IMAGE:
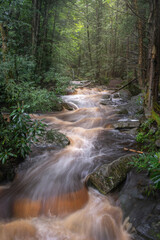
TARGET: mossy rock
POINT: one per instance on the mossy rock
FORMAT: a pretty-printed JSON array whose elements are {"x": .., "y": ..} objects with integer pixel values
[
  {"x": 53, "y": 139},
  {"x": 109, "y": 176}
]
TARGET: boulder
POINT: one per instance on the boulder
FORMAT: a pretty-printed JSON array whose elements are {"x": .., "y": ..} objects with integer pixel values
[
  {"x": 52, "y": 140},
  {"x": 109, "y": 176},
  {"x": 69, "y": 106},
  {"x": 141, "y": 204},
  {"x": 135, "y": 105},
  {"x": 125, "y": 94}
]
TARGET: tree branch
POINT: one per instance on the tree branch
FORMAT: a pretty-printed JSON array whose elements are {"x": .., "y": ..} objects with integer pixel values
[{"x": 125, "y": 85}]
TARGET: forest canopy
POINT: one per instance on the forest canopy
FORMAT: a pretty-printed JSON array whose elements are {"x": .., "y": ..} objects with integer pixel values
[{"x": 45, "y": 44}]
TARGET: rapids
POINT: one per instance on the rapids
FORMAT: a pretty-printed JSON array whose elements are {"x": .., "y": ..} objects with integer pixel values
[{"x": 50, "y": 201}]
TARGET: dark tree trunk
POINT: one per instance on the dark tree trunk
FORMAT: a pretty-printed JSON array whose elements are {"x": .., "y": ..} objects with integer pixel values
[
  {"x": 88, "y": 35},
  {"x": 4, "y": 33},
  {"x": 98, "y": 37},
  {"x": 35, "y": 25},
  {"x": 141, "y": 60},
  {"x": 154, "y": 54}
]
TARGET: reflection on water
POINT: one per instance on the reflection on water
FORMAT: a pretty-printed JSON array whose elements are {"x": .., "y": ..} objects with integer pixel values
[{"x": 53, "y": 194}]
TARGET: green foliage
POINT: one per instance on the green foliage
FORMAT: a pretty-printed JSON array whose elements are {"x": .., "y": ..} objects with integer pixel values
[
  {"x": 155, "y": 115},
  {"x": 39, "y": 100},
  {"x": 18, "y": 134},
  {"x": 148, "y": 134},
  {"x": 56, "y": 80},
  {"x": 151, "y": 163}
]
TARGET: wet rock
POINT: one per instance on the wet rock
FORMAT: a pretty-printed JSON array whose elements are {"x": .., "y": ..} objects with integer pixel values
[
  {"x": 116, "y": 95},
  {"x": 135, "y": 105},
  {"x": 109, "y": 176},
  {"x": 125, "y": 94},
  {"x": 126, "y": 123},
  {"x": 123, "y": 111},
  {"x": 105, "y": 101},
  {"x": 106, "y": 96},
  {"x": 69, "y": 106},
  {"x": 157, "y": 209},
  {"x": 138, "y": 201},
  {"x": 52, "y": 140},
  {"x": 132, "y": 131}
]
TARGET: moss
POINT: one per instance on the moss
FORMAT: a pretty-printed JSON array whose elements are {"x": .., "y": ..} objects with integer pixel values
[
  {"x": 156, "y": 117},
  {"x": 109, "y": 176}
]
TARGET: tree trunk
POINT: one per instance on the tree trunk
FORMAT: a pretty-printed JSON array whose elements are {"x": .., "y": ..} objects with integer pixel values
[
  {"x": 98, "y": 37},
  {"x": 141, "y": 65},
  {"x": 35, "y": 24},
  {"x": 88, "y": 35},
  {"x": 154, "y": 54},
  {"x": 4, "y": 33}
]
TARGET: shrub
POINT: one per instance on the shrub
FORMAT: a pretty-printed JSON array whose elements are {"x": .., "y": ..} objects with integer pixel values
[
  {"x": 148, "y": 134},
  {"x": 39, "y": 100},
  {"x": 59, "y": 81},
  {"x": 151, "y": 163},
  {"x": 18, "y": 134}
]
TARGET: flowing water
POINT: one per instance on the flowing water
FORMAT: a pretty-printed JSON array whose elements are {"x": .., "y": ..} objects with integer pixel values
[{"x": 50, "y": 201}]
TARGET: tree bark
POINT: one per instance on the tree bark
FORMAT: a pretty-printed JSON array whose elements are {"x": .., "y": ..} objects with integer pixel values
[
  {"x": 4, "y": 33},
  {"x": 88, "y": 35},
  {"x": 154, "y": 54},
  {"x": 141, "y": 65},
  {"x": 35, "y": 24},
  {"x": 98, "y": 37}
]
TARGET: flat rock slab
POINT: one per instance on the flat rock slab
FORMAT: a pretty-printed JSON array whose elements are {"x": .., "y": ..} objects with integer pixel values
[
  {"x": 109, "y": 176},
  {"x": 126, "y": 124}
]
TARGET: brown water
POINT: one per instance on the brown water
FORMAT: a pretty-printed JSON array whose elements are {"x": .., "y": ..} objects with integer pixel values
[{"x": 50, "y": 200}]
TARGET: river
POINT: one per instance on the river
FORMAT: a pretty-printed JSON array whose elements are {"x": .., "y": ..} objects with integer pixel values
[{"x": 51, "y": 201}]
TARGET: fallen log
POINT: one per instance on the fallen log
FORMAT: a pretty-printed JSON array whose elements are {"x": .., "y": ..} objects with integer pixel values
[
  {"x": 125, "y": 85},
  {"x": 132, "y": 150}
]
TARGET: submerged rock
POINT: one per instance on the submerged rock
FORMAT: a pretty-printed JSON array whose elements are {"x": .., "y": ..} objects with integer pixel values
[{"x": 109, "y": 176}]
